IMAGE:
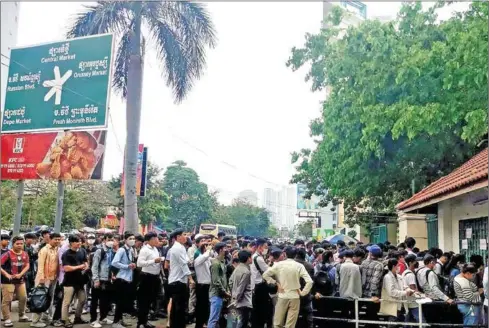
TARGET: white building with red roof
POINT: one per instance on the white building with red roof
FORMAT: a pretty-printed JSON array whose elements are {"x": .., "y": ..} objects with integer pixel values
[{"x": 452, "y": 212}]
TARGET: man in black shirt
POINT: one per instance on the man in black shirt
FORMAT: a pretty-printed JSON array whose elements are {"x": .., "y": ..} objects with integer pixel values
[
  {"x": 30, "y": 238},
  {"x": 5, "y": 240},
  {"x": 75, "y": 264}
]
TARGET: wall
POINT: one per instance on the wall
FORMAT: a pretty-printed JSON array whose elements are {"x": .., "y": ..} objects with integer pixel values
[
  {"x": 413, "y": 225},
  {"x": 451, "y": 211},
  {"x": 9, "y": 25}
]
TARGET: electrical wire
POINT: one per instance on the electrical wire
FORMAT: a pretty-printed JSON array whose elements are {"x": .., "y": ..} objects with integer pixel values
[{"x": 225, "y": 163}]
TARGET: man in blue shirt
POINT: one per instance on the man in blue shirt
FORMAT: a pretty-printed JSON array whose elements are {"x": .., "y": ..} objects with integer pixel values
[{"x": 124, "y": 261}]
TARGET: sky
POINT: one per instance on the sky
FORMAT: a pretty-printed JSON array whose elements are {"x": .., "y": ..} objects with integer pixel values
[{"x": 247, "y": 113}]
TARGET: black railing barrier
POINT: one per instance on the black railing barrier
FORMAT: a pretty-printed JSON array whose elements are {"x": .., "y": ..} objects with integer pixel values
[{"x": 341, "y": 304}]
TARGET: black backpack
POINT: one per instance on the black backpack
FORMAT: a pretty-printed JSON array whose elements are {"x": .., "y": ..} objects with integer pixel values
[
  {"x": 447, "y": 287},
  {"x": 39, "y": 301},
  {"x": 323, "y": 281}
]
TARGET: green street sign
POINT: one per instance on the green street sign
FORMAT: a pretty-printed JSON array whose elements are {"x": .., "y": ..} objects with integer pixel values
[{"x": 59, "y": 85}]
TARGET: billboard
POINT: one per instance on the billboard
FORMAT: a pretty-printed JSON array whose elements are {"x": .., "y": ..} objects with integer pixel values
[
  {"x": 53, "y": 155},
  {"x": 62, "y": 85},
  {"x": 303, "y": 203},
  {"x": 140, "y": 172}
]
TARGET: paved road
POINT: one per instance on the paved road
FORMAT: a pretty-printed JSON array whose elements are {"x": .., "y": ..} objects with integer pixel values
[{"x": 15, "y": 316}]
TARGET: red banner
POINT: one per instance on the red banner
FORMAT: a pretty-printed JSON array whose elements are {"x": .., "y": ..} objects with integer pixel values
[{"x": 53, "y": 155}]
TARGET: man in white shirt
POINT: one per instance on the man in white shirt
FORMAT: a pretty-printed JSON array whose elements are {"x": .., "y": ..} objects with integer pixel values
[
  {"x": 178, "y": 279},
  {"x": 262, "y": 303},
  {"x": 150, "y": 261},
  {"x": 409, "y": 279},
  {"x": 202, "y": 264}
]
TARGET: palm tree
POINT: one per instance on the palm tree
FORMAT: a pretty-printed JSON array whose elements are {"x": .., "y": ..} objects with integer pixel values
[{"x": 180, "y": 33}]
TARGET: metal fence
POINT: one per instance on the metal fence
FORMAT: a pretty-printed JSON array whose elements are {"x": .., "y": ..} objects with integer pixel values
[{"x": 421, "y": 322}]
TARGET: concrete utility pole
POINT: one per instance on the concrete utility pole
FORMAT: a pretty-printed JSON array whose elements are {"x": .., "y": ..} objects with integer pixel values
[
  {"x": 59, "y": 206},
  {"x": 18, "y": 207}
]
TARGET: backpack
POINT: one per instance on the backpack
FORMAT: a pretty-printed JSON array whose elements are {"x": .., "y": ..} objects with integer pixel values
[
  {"x": 420, "y": 288},
  {"x": 324, "y": 282},
  {"x": 448, "y": 288},
  {"x": 272, "y": 288},
  {"x": 39, "y": 301}
]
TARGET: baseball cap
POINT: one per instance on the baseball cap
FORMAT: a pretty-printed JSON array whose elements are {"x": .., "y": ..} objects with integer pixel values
[{"x": 375, "y": 250}]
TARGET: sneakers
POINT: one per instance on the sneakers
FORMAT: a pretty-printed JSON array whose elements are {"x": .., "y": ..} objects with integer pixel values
[
  {"x": 80, "y": 321},
  {"x": 95, "y": 324},
  {"x": 125, "y": 324},
  {"x": 24, "y": 318},
  {"x": 106, "y": 322},
  {"x": 8, "y": 323},
  {"x": 38, "y": 324}
]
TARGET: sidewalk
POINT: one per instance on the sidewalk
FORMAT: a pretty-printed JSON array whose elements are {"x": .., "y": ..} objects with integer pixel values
[{"x": 15, "y": 317}]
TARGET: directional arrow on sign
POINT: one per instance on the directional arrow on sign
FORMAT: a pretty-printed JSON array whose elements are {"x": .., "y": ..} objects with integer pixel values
[{"x": 56, "y": 85}]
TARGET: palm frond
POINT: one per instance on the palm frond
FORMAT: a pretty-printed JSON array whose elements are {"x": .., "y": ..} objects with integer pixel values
[
  {"x": 121, "y": 71},
  {"x": 181, "y": 32},
  {"x": 102, "y": 17},
  {"x": 119, "y": 81}
]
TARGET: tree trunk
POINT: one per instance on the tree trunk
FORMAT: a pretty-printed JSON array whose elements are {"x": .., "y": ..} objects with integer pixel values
[
  {"x": 133, "y": 123},
  {"x": 59, "y": 206},
  {"x": 18, "y": 207}
]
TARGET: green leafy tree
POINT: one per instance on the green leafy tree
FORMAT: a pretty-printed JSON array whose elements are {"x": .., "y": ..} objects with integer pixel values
[
  {"x": 84, "y": 202},
  {"x": 249, "y": 219},
  {"x": 154, "y": 206},
  {"x": 407, "y": 103},
  {"x": 190, "y": 201},
  {"x": 304, "y": 228},
  {"x": 272, "y": 232},
  {"x": 352, "y": 233},
  {"x": 7, "y": 203},
  {"x": 180, "y": 32}
]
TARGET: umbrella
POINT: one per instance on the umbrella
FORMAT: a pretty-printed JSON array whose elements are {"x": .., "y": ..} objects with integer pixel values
[
  {"x": 105, "y": 230},
  {"x": 339, "y": 236},
  {"x": 87, "y": 229}
]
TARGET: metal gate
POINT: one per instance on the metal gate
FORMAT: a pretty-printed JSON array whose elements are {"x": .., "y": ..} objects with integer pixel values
[
  {"x": 432, "y": 226},
  {"x": 476, "y": 229},
  {"x": 378, "y": 234}
]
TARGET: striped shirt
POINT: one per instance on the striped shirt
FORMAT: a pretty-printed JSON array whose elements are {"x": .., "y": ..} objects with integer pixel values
[{"x": 466, "y": 290}]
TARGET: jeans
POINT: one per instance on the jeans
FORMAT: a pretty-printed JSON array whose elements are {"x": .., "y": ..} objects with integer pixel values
[
  {"x": 202, "y": 305},
  {"x": 471, "y": 313},
  {"x": 216, "y": 307},
  {"x": 413, "y": 315},
  {"x": 243, "y": 317},
  {"x": 100, "y": 298}
]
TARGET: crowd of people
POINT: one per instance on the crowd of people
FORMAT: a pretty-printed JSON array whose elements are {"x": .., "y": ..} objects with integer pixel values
[{"x": 223, "y": 281}]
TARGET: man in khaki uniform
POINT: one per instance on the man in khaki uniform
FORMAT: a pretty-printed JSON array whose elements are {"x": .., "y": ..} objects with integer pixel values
[{"x": 286, "y": 274}]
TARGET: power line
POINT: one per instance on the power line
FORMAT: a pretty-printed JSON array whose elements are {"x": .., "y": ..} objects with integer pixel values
[
  {"x": 227, "y": 163},
  {"x": 173, "y": 134}
]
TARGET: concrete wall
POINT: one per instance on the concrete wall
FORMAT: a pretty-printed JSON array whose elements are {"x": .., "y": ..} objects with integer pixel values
[
  {"x": 451, "y": 211},
  {"x": 413, "y": 225}
]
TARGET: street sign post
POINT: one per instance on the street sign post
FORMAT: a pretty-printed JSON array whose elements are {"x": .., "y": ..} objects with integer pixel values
[{"x": 59, "y": 85}]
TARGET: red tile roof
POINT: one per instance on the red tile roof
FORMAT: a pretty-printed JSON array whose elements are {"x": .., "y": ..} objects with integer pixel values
[{"x": 472, "y": 171}]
